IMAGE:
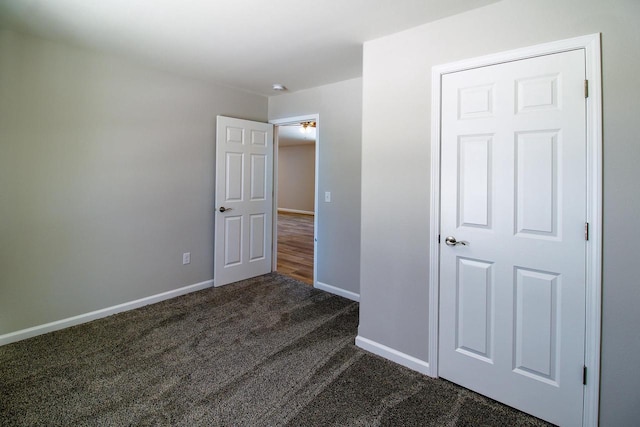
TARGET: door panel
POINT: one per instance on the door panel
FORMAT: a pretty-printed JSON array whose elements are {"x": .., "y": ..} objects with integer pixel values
[
  {"x": 536, "y": 324},
  {"x": 258, "y": 177},
  {"x": 513, "y": 188},
  {"x": 474, "y": 309},
  {"x": 258, "y": 242},
  {"x": 537, "y": 183},
  {"x": 244, "y": 180},
  {"x": 234, "y": 178},
  {"x": 232, "y": 240},
  {"x": 474, "y": 163}
]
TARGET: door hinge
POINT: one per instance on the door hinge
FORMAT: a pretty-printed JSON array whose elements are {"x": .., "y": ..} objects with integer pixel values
[
  {"x": 586, "y": 231},
  {"x": 586, "y": 88},
  {"x": 584, "y": 375},
  {"x": 438, "y": 238}
]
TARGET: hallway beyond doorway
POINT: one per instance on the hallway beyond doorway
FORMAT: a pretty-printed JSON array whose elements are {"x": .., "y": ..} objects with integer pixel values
[{"x": 295, "y": 246}]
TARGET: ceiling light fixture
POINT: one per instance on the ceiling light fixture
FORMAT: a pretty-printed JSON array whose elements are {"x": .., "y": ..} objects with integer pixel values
[
  {"x": 278, "y": 86},
  {"x": 305, "y": 126}
]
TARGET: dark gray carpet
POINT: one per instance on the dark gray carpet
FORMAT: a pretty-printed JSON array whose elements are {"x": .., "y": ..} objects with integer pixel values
[{"x": 264, "y": 352}]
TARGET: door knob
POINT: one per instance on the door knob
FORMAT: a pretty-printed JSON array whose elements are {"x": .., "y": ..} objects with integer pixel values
[
  {"x": 451, "y": 241},
  {"x": 223, "y": 209}
]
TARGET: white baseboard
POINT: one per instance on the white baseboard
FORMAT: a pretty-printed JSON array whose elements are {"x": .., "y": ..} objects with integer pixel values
[
  {"x": 297, "y": 211},
  {"x": 393, "y": 355},
  {"x": 98, "y": 314},
  {"x": 338, "y": 291}
]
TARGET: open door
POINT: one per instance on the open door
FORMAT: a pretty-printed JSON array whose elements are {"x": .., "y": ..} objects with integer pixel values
[{"x": 243, "y": 200}]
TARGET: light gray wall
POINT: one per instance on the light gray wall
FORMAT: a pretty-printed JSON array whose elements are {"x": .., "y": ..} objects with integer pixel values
[
  {"x": 106, "y": 178},
  {"x": 339, "y": 137},
  {"x": 396, "y": 171},
  {"x": 297, "y": 177}
]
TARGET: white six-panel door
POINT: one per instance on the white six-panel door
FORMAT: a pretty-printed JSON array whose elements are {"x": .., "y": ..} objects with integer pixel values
[
  {"x": 513, "y": 190},
  {"x": 243, "y": 200}
]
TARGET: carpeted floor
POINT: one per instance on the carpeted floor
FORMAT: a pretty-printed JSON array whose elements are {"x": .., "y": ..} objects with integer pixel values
[{"x": 264, "y": 352}]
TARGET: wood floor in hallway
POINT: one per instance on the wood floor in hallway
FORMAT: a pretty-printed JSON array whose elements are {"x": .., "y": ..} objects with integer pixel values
[{"x": 295, "y": 246}]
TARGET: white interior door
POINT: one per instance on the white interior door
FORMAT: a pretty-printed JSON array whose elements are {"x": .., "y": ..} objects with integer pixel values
[
  {"x": 513, "y": 195},
  {"x": 243, "y": 200}
]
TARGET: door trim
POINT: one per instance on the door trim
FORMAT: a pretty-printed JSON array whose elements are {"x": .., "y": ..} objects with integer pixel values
[
  {"x": 286, "y": 121},
  {"x": 591, "y": 46}
]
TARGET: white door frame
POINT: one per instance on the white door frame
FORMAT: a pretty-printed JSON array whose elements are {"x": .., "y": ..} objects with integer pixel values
[
  {"x": 289, "y": 121},
  {"x": 591, "y": 46}
]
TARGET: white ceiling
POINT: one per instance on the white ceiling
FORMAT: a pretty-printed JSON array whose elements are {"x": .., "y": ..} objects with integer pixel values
[
  {"x": 292, "y": 135},
  {"x": 248, "y": 44}
]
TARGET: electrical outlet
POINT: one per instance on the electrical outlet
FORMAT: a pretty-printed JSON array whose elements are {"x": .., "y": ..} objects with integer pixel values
[
  {"x": 327, "y": 196},
  {"x": 186, "y": 258}
]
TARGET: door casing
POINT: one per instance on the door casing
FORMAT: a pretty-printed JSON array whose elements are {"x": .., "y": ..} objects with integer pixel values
[
  {"x": 288, "y": 121},
  {"x": 591, "y": 46}
]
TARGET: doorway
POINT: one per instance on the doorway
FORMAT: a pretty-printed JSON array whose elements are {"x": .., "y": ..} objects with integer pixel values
[{"x": 295, "y": 197}]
